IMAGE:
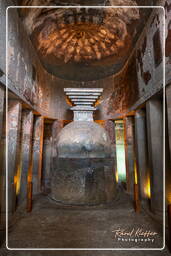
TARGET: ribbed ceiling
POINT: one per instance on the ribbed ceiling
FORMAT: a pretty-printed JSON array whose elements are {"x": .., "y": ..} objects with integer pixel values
[{"x": 82, "y": 43}]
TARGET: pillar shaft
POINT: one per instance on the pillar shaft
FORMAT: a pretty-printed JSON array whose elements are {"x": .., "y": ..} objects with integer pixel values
[
  {"x": 109, "y": 125},
  {"x": 1, "y": 109},
  {"x": 168, "y": 98},
  {"x": 47, "y": 158},
  {"x": 154, "y": 113},
  {"x": 168, "y": 146},
  {"x": 129, "y": 152},
  {"x": 56, "y": 128},
  {"x": 26, "y": 151},
  {"x": 37, "y": 153},
  {"x": 141, "y": 151},
  {"x": 2, "y": 159},
  {"x": 14, "y": 130}
]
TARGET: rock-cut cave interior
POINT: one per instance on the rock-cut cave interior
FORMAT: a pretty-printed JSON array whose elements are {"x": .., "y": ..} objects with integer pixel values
[{"x": 85, "y": 127}]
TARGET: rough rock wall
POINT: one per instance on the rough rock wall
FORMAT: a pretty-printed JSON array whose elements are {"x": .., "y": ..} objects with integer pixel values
[
  {"x": 143, "y": 77},
  {"x": 28, "y": 77},
  {"x": 125, "y": 91},
  {"x": 168, "y": 41}
]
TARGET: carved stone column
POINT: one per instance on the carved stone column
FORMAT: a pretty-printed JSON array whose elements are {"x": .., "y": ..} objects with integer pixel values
[
  {"x": 141, "y": 151},
  {"x": 47, "y": 158},
  {"x": 2, "y": 160},
  {"x": 26, "y": 151},
  {"x": 56, "y": 128},
  {"x": 37, "y": 153},
  {"x": 168, "y": 145},
  {"x": 14, "y": 130},
  {"x": 2, "y": 93},
  {"x": 154, "y": 111},
  {"x": 109, "y": 125},
  {"x": 129, "y": 152},
  {"x": 168, "y": 98}
]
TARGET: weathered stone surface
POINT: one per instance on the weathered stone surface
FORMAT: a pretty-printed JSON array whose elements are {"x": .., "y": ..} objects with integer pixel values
[
  {"x": 14, "y": 130},
  {"x": 168, "y": 41},
  {"x": 56, "y": 128},
  {"x": 45, "y": 93},
  {"x": 2, "y": 94},
  {"x": 168, "y": 98},
  {"x": 84, "y": 139},
  {"x": 2, "y": 161},
  {"x": 81, "y": 174},
  {"x": 91, "y": 39},
  {"x": 109, "y": 126},
  {"x": 47, "y": 158},
  {"x": 26, "y": 152},
  {"x": 129, "y": 153},
  {"x": 140, "y": 79},
  {"x": 83, "y": 181},
  {"x": 141, "y": 151},
  {"x": 37, "y": 153},
  {"x": 53, "y": 225},
  {"x": 154, "y": 112},
  {"x": 168, "y": 146}
]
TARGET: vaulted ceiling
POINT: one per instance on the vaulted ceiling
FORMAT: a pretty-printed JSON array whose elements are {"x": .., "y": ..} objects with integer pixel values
[{"x": 84, "y": 43}]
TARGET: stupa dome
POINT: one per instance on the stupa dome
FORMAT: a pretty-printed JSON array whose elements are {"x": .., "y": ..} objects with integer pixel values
[{"x": 82, "y": 139}]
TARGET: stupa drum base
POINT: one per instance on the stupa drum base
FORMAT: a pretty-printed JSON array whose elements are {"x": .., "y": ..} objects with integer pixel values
[{"x": 83, "y": 181}]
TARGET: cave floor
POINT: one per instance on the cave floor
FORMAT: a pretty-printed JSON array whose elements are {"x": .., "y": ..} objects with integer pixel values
[{"x": 52, "y": 225}]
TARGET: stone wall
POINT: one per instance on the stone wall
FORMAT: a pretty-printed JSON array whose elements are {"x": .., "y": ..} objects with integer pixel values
[
  {"x": 143, "y": 76},
  {"x": 123, "y": 92}
]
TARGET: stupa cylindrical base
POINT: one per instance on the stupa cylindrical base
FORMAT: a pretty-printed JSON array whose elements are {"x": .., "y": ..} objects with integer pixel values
[{"x": 83, "y": 181}]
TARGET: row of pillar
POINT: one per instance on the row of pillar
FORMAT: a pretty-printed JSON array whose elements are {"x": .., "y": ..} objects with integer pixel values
[
  {"x": 143, "y": 150},
  {"x": 25, "y": 145},
  {"x": 25, "y": 132},
  {"x": 144, "y": 153},
  {"x": 31, "y": 150}
]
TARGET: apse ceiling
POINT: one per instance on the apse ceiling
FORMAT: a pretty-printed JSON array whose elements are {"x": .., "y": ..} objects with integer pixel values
[{"x": 83, "y": 43}]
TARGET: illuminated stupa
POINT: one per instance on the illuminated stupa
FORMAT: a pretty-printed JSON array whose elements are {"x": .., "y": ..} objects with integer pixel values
[{"x": 84, "y": 172}]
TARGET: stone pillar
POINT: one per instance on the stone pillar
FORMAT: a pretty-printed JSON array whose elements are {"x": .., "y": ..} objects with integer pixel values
[
  {"x": 2, "y": 161},
  {"x": 14, "y": 130},
  {"x": 168, "y": 146},
  {"x": 56, "y": 128},
  {"x": 109, "y": 125},
  {"x": 47, "y": 158},
  {"x": 129, "y": 152},
  {"x": 2, "y": 93},
  {"x": 141, "y": 151},
  {"x": 26, "y": 151},
  {"x": 168, "y": 98},
  {"x": 37, "y": 154},
  {"x": 154, "y": 112}
]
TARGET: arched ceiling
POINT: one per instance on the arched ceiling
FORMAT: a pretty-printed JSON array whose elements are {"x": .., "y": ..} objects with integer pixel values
[{"x": 83, "y": 43}]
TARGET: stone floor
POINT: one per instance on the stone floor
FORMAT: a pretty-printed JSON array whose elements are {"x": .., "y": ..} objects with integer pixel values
[{"x": 51, "y": 225}]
